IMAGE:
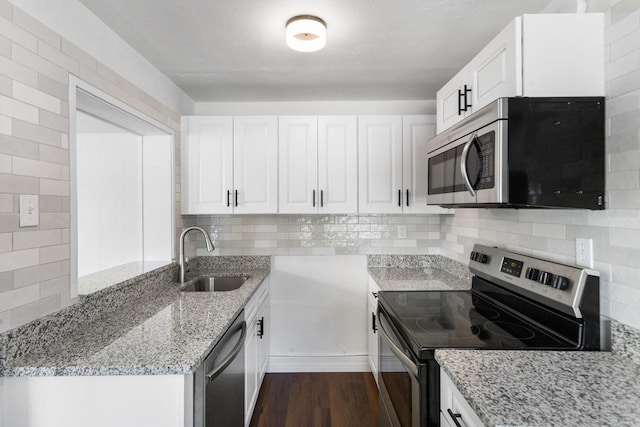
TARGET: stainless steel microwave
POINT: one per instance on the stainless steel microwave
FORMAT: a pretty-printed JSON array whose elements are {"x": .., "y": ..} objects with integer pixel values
[{"x": 522, "y": 153}]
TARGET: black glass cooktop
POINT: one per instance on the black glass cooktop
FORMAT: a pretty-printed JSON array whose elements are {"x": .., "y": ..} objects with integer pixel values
[{"x": 430, "y": 320}]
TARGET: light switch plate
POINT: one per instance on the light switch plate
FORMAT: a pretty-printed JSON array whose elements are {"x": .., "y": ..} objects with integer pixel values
[
  {"x": 29, "y": 211},
  {"x": 584, "y": 252},
  {"x": 402, "y": 232}
]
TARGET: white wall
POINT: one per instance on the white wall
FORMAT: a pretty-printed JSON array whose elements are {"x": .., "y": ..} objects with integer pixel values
[
  {"x": 323, "y": 294},
  {"x": 109, "y": 174},
  {"x": 157, "y": 200},
  {"x": 75, "y": 22}
]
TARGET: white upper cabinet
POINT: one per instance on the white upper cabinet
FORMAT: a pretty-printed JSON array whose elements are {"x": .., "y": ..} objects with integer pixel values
[
  {"x": 255, "y": 164},
  {"x": 450, "y": 101},
  {"x": 496, "y": 71},
  {"x": 535, "y": 55},
  {"x": 416, "y": 131},
  {"x": 298, "y": 150},
  {"x": 393, "y": 164},
  {"x": 380, "y": 164},
  {"x": 229, "y": 165},
  {"x": 318, "y": 164},
  {"x": 338, "y": 164},
  {"x": 207, "y": 164}
]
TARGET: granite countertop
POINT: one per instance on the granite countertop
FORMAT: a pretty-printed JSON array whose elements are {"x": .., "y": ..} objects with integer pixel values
[
  {"x": 417, "y": 279},
  {"x": 546, "y": 388},
  {"x": 418, "y": 273},
  {"x": 166, "y": 332}
]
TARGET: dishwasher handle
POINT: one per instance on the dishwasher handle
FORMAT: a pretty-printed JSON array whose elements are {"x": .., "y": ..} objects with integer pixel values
[
  {"x": 217, "y": 370},
  {"x": 406, "y": 361}
]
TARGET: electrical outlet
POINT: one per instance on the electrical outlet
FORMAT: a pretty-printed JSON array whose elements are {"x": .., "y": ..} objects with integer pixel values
[
  {"x": 402, "y": 232},
  {"x": 584, "y": 252}
]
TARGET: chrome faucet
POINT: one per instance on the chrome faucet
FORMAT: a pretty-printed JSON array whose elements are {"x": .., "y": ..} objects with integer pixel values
[{"x": 183, "y": 271}]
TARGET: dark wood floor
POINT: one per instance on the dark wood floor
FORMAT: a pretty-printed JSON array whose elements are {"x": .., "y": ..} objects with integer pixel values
[{"x": 348, "y": 399}]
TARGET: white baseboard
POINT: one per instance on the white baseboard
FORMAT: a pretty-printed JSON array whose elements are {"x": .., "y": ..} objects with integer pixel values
[{"x": 352, "y": 363}]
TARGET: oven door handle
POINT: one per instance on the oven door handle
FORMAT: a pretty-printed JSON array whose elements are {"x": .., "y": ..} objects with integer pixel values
[
  {"x": 463, "y": 164},
  {"x": 406, "y": 361}
]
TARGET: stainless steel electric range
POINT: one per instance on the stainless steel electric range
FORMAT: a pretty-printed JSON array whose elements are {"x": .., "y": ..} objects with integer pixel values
[{"x": 516, "y": 302}]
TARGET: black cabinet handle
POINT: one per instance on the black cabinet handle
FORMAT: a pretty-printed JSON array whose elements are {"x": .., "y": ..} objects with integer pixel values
[
  {"x": 399, "y": 198},
  {"x": 467, "y": 103},
  {"x": 407, "y": 197},
  {"x": 261, "y": 327},
  {"x": 375, "y": 294},
  {"x": 455, "y": 417},
  {"x": 228, "y": 198},
  {"x": 236, "y": 197},
  {"x": 321, "y": 198},
  {"x": 314, "y": 198},
  {"x": 374, "y": 327},
  {"x": 463, "y": 101}
]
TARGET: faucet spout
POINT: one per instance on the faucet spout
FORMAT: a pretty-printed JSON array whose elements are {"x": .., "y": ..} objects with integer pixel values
[{"x": 182, "y": 272}]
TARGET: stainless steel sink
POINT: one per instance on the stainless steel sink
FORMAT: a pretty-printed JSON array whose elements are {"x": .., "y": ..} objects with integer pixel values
[{"x": 216, "y": 284}]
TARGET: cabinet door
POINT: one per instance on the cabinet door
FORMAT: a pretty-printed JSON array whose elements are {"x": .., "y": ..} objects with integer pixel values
[
  {"x": 263, "y": 340},
  {"x": 416, "y": 131},
  {"x": 452, "y": 399},
  {"x": 251, "y": 370},
  {"x": 298, "y": 152},
  {"x": 450, "y": 100},
  {"x": 496, "y": 71},
  {"x": 255, "y": 164},
  {"x": 380, "y": 164},
  {"x": 337, "y": 164},
  {"x": 372, "y": 335},
  {"x": 207, "y": 164}
]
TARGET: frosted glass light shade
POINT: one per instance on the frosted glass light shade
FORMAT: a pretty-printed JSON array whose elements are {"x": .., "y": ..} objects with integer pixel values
[{"x": 306, "y": 33}]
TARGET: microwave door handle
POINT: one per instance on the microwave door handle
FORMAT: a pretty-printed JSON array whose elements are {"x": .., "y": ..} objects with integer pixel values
[{"x": 463, "y": 165}]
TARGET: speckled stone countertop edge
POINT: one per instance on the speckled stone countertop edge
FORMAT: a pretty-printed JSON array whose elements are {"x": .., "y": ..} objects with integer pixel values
[
  {"x": 18, "y": 342},
  {"x": 418, "y": 273},
  {"x": 189, "y": 365},
  {"x": 620, "y": 366},
  {"x": 439, "y": 262}
]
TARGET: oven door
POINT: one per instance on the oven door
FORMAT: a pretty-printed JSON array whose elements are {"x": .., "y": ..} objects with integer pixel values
[{"x": 409, "y": 388}]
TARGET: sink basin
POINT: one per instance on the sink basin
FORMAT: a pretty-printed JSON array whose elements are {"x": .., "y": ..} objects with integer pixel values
[{"x": 216, "y": 284}]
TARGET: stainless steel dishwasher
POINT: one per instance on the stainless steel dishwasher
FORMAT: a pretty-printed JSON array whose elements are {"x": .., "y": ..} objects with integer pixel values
[{"x": 219, "y": 381}]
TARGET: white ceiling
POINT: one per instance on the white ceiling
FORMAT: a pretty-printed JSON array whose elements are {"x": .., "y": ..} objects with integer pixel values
[{"x": 234, "y": 50}]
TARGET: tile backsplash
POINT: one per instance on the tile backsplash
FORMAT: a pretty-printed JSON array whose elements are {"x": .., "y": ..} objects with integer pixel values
[{"x": 319, "y": 234}]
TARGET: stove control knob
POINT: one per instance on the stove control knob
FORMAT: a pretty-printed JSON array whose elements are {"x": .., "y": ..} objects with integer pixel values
[
  {"x": 560, "y": 282},
  {"x": 532, "y": 273},
  {"x": 545, "y": 278},
  {"x": 479, "y": 257}
]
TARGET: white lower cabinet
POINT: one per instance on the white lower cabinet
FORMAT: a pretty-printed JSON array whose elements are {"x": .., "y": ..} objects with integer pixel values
[
  {"x": 455, "y": 411},
  {"x": 372, "y": 331},
  {"x": 256, "y": 347},
  {"x": 97, "y": 401}
]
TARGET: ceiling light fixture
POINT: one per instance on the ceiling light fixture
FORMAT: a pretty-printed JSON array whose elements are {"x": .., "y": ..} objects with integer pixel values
[{"x": 306, "y": 33}]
